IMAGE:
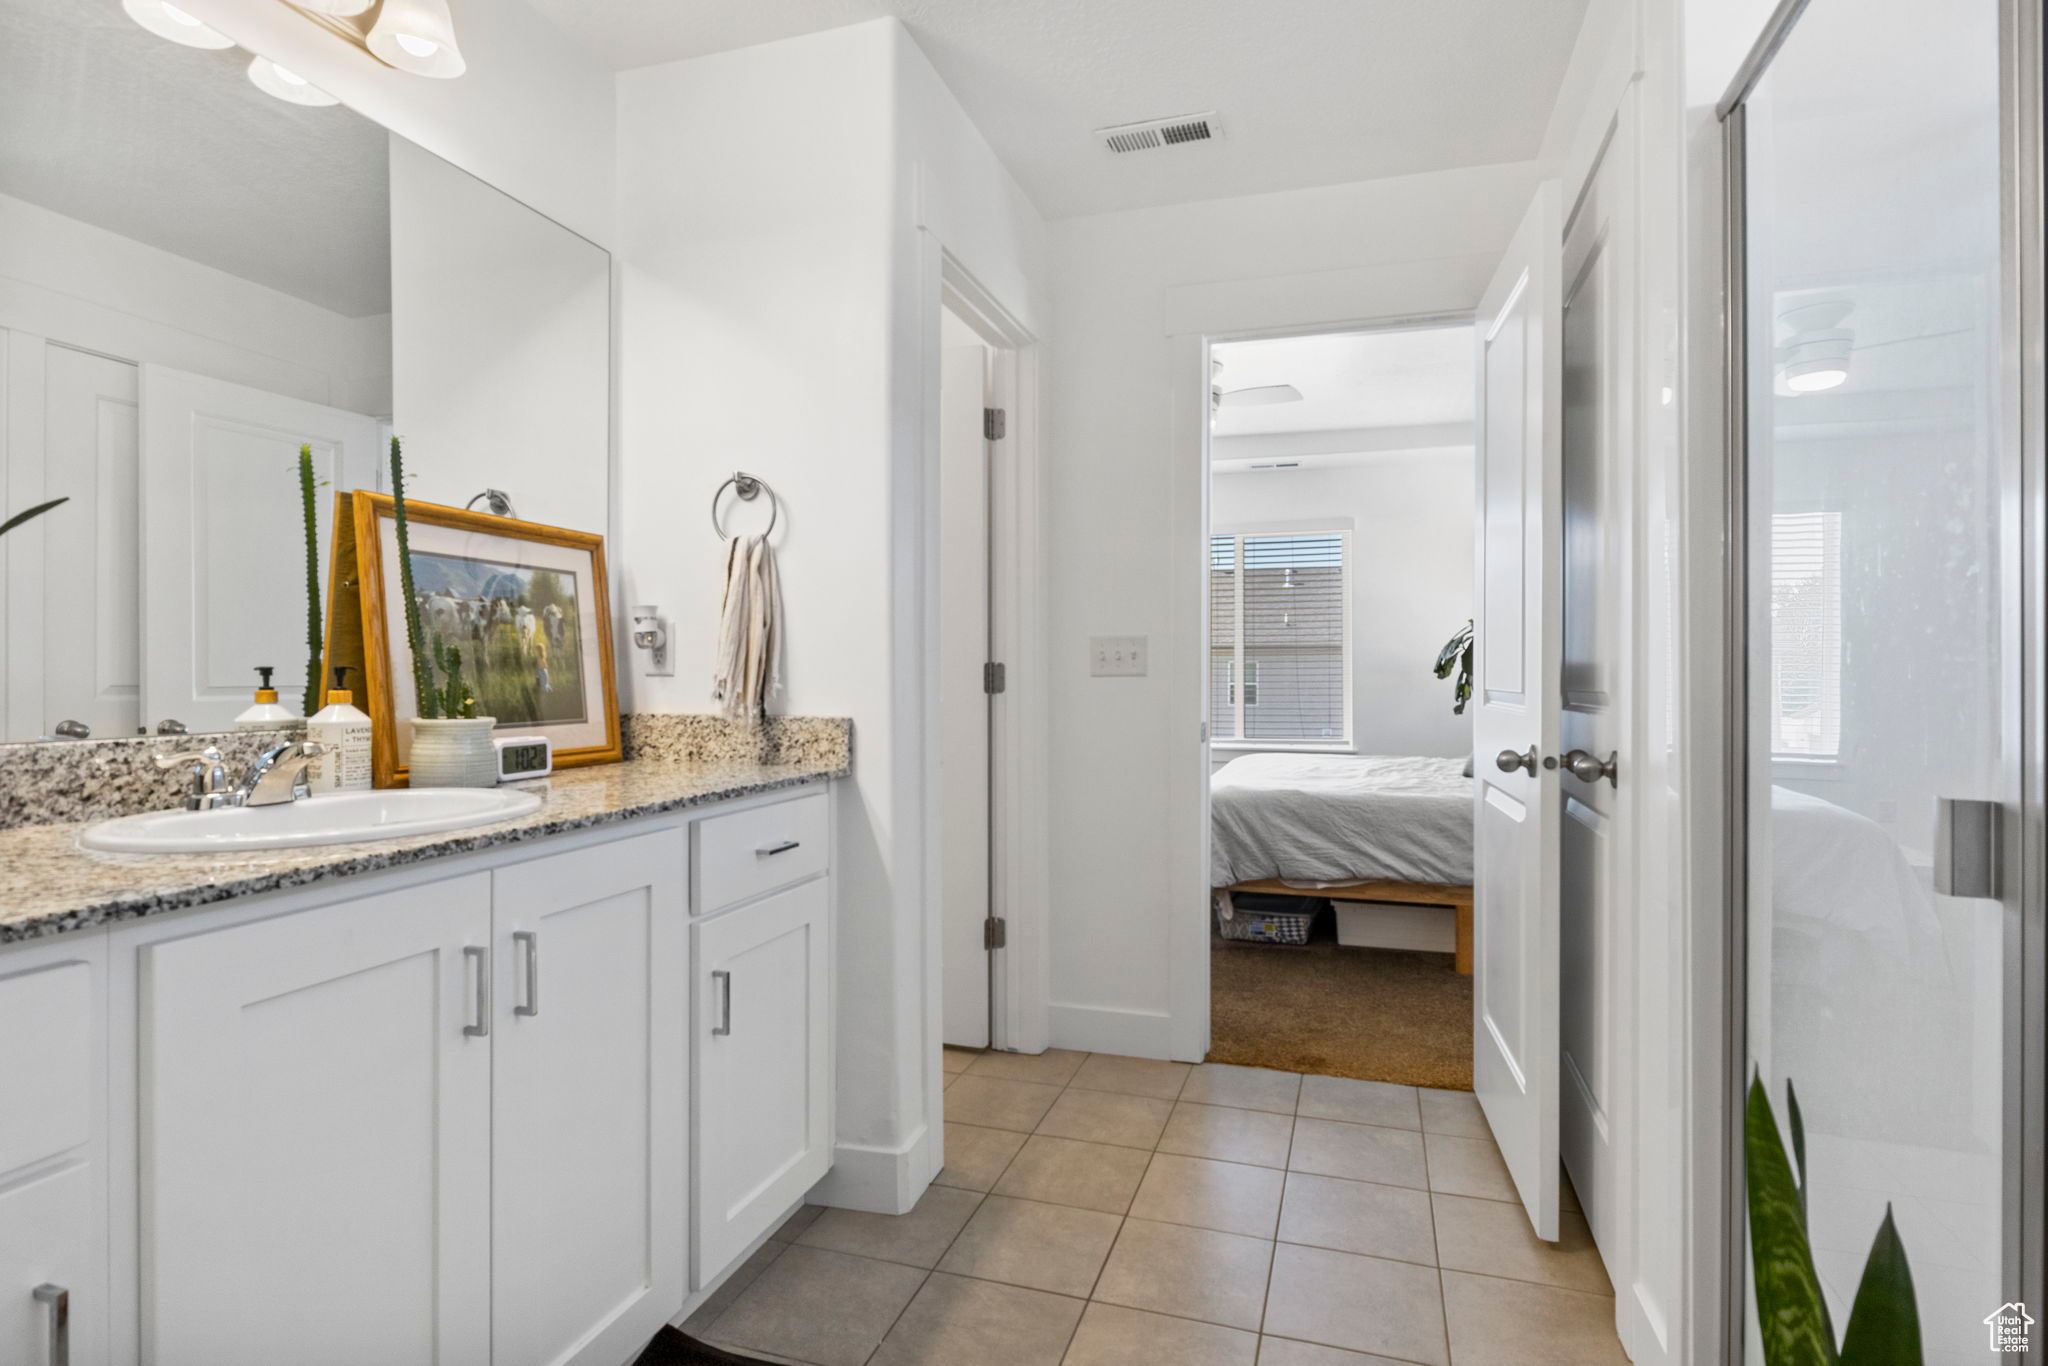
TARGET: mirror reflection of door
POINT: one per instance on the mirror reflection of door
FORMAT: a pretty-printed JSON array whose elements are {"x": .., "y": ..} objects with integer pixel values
[{"x": 288, "y": 269}]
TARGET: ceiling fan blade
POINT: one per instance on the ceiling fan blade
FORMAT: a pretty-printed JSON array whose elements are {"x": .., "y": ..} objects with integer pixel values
[{"x": 1261, "y": 394}]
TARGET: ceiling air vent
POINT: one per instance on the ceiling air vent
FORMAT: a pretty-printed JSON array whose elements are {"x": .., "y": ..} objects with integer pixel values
[{"x": 1141, "y": 137}]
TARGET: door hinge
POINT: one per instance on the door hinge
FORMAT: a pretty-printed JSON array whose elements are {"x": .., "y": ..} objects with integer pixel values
[
  {"x": 995, "y": 933},
  {"x": 995, "y": 423},
  {"x": 994, "y": 678}
]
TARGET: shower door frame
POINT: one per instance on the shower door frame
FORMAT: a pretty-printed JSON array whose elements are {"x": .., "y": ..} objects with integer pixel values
[{"x": 2023, "y": 423}]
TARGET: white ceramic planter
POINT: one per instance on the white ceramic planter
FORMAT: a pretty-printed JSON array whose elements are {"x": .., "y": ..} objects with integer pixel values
[{"x": 453, "y": 753}]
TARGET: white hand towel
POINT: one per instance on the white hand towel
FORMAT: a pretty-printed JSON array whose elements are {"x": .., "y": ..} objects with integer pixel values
[{"x": 749, "y": 670}]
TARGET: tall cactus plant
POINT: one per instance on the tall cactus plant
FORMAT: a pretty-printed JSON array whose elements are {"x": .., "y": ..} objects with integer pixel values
[{"x": 314, "y": 642}]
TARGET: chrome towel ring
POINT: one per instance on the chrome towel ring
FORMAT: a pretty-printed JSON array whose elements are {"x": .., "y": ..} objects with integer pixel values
[{"x": 748, "y": 488}]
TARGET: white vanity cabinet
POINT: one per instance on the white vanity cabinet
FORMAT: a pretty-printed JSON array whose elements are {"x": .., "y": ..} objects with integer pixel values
[
  {"x": 510, "y": 1115},
  {"x": 589, "y": 1089},
  {"x": 315, "y": 1107},
  {"x": 53, "y": 1175},
  {"x": 763, "y": 1100}
]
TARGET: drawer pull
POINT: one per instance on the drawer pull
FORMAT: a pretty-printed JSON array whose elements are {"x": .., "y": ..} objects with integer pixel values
[
  {"x": 531, "y": 939},
  {"x": 724, "y": 981},
  {"x": 58, "y": 1301},
  {"x": 772, "y": 850},
  {"x": 481, "y": 1029}
]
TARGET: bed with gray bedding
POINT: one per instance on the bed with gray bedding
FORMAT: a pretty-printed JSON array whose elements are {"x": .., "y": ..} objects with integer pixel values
[{"x": 1314, "y": 819}]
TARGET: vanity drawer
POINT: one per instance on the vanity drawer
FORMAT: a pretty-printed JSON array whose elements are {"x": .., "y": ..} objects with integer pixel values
[
  {"x": 746, "y": 853},
  {"x": 47, "y": 1072}
]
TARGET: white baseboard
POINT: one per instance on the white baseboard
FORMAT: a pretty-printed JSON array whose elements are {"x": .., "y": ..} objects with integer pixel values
[
  {"x": 1103, "y": 1029},
  {"x": 878, "y": 1180}
]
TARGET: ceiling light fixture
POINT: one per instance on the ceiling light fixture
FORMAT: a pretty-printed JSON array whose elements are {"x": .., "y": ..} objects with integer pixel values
[
  {"x": 287, "y": 85},
  {"x": 1814, "y": 353},
  {"x": 166, "y": 20},
  {"x": 417, "y": 36}
]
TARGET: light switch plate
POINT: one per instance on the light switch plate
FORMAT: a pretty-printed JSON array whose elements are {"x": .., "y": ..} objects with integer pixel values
[{"x": 1117, "y": 656}]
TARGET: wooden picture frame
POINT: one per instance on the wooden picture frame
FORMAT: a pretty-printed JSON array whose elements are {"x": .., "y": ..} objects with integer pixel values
[{"x": 477, "y": 576}]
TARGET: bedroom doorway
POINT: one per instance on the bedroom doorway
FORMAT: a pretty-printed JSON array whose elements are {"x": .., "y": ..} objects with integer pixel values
[{"x": 1341, "y": 524}]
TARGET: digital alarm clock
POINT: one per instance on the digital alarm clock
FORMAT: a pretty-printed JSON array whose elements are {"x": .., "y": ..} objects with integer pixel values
[{"x": 524, "y": 756}]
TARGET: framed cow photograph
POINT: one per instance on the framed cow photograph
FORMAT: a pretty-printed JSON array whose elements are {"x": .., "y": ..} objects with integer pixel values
[{"x": 523, "y": 606}]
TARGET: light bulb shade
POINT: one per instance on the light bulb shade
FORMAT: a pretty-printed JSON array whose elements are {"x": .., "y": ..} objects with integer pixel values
[
  {"x": 1816, "y": 360},
  {"x": 286, "y": 84},
  {"x": 168, "y": 21},
  {"x": 417, "y": 36},
  {"x": 340, "y": 9}
]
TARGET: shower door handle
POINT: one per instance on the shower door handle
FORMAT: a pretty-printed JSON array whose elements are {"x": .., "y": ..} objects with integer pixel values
[{"x": 1966, "y": 847}]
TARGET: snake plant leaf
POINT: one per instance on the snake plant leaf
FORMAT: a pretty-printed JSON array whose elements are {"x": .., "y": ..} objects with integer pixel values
[
  {"x": 1792, "y": 1315},
  {"x": 28, "y": 514},
  {"x": 1884, "y": 1324}
]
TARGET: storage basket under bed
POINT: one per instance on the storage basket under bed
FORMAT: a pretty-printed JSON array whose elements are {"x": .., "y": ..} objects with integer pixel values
[{"x": 1265, "y": 918}]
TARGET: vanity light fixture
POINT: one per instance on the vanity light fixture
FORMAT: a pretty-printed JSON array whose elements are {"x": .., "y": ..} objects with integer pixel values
[
  {"x": 417, "y": 36},
  {"x": 166, "y": 20},
  {"x": 286, "y": 84}
]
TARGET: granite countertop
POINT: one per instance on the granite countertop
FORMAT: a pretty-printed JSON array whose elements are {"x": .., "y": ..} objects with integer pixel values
[{"x": 49, "y": 885}]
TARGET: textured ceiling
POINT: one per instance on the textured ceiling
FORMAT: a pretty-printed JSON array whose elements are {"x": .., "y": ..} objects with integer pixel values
[
  {"x": 1309, "y": 92},
  {"x": 1351, "y": 381},
  {"x": 172, "y": 146}
]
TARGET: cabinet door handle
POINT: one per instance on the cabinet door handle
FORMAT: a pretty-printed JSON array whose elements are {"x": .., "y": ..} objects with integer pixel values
[
  {"x": 723, "y": 980},
  {"x": 770, "y": 851},
  {"x": 531, "y": 939},
  {"x": 58, "y": 1301},
  {"x": 481, "y": 957}
]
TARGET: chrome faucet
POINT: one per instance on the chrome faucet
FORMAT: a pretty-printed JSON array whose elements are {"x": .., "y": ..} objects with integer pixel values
[{"x": 278, "y": 776}]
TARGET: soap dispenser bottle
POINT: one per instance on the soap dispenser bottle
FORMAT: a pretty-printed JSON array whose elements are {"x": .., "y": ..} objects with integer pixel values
[
  {"x": 343, "y": 765},
  {"x": 266, "y": 713}
]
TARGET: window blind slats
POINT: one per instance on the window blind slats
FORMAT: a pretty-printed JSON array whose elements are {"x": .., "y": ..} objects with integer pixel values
[
  {"x": 1279, "y": 637},
  {"x": 1806, "y": 634}
]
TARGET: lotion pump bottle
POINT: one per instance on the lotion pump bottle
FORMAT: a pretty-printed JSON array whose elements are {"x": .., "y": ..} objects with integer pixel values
[
  {"x": 344, "y": 763},
  {"x": 266, "y": 713}
]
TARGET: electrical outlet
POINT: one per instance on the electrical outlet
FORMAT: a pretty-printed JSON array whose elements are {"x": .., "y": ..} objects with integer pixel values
[{"x": 1116, "y": 656}]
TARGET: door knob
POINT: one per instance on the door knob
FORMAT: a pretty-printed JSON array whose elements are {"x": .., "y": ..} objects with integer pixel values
[
  {"x": 1588, "y": 769},
  {"x": 1508, "y": 761}
]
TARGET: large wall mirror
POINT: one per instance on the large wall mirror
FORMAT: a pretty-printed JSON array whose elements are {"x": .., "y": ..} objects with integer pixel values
[{"x": 198, "y": 277}]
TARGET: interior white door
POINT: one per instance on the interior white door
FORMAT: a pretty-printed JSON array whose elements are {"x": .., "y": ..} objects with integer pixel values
[
  {"x": 963, "y": 701},
  {"x": 1517, "y": 617},
  {"x": 223, "y": 540},
  {"x": 761, "y": 1127},
  {"x": 589, "y": 1082},
  {"x": 316, "y": 1143},
  {"x": 1594, "y": 847},
  {"x": 91, "y": 585}
]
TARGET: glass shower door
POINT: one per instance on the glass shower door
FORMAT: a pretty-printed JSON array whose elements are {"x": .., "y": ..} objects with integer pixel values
[{"x": 1882, "y": 625}]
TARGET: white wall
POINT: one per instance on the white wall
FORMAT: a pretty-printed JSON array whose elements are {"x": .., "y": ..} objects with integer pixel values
[
  {"x": 1411, "y": 581},
  {"x": 533, "y": 115},
  {"x": 82, "y": 285},
  {"x": 501, "y": 347},
  {"x": 772, "y": 321},
  {"x": 1125, "y": 527}
]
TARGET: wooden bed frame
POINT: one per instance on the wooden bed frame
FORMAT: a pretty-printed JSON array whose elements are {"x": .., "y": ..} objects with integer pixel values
[{"x": 1457, "y": 899}]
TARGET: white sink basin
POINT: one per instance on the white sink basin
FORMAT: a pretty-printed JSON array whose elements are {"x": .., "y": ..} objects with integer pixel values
[{"x": 334, "y": 818}]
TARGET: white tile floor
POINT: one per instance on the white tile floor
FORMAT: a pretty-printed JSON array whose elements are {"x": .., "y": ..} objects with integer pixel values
[{"x": 1105, "y": 1211}]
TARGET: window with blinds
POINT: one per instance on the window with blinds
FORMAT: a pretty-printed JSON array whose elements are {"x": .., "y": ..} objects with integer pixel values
[
  {"x": 1279, "y": 637},
  {"x": 1806, "y": 635}
]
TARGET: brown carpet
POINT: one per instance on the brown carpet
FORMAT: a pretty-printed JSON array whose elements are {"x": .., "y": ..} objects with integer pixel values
[{"x": 1375, "y": 1014}]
